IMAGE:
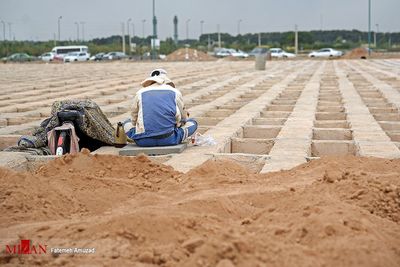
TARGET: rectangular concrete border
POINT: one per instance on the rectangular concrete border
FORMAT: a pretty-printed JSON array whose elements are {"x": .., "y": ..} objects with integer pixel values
[{"x": 369, "y": 138}]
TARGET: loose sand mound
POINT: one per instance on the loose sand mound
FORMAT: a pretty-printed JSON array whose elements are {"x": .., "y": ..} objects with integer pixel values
[
  {"x": 330, "y": 212},
  {"x": 189, "y": 54},
  {"x": 77, "y": 185},
  {"x": 357, "y": 53}
]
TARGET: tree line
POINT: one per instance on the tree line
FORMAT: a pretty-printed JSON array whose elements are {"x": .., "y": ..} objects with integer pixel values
[{"x": 308, "y": 40}]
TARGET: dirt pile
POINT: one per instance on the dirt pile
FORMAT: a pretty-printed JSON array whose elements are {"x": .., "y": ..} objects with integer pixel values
[
  {"x": 77, "y": 185},
  {"x": 330, "y": 212},
  {"x": 189, "y": 54},
  {"x": 357, "y": 53}
]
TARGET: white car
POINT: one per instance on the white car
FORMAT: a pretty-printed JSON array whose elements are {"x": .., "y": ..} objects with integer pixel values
[
  {"x": 47, "y": 57},
  {"x": 326, "y": 52},
  {"x": 226, "y": 52},
  {"x": 238, "y": 53},
  {"x": 223, "y": 52},
  {"x": 279, "y": 53},
  {"x": 114, "y": 56},
  {"x": 76, "y": 56}
]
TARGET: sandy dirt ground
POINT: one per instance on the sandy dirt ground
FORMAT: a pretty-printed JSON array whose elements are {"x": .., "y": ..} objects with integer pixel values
[
  {"x": 335, "y": 211},
  {"x": 333, "y": 126}
]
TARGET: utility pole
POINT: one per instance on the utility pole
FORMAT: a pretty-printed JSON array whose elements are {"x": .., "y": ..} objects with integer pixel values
[
  {"x": 369, "y": 27},
  {"x": 176, "y": 29},
  {"x": 77, "y": 31},
  {"x": 143, "y": 21},
  {"x": 129, "y": 35},
  {"x": 83, "y": 30},
  {"x": 4, "y": 30},
  {"x": 296, "y": 40},
  {"x": 59, "y": 35},
  {"x": 259, "y": 39},
  {"x": 153, "y": 48},
  {"x": 238, "y": 26},
  {"x": 187, "y": 29},
  {"x": 219, "y": 36},
  {"x": 133, "y": 30},
  {"x": 123, "y": 36},
  {"x": 9, "y": 31},
  {"x": 201, "y": 27},
  {"x": 376, "y": 35}
]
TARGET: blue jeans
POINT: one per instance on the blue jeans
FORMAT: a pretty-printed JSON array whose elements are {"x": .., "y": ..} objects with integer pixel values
[{"x": 178, "y": 136}]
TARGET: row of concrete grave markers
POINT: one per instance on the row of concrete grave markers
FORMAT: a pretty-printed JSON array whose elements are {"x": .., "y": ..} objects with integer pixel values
[
  {"x": 369, "y": 137},
  {"x": 228, "y": 128},
  {"x": 381, "y": 100},
  {"x": 114, "y": 100},
  {"x": 293, "y": 143}
]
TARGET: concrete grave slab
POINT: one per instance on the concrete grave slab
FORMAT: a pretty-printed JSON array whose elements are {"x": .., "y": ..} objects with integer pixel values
[{"x": 133, "y": 150}]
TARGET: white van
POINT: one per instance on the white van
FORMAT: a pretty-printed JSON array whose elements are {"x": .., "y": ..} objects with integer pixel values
[{"x": 60, "y": 51}]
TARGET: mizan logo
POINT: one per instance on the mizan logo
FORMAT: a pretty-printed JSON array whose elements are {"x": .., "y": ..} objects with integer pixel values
[{"x": 25, "y": 247}]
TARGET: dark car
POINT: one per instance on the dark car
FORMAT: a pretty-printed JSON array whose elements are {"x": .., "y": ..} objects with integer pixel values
[
  {"x": 18, "y": 57},
  {"x": 258, "y": 51},
  {"x": 98, "y": 57},
  {"x": 114, "y": 56}
]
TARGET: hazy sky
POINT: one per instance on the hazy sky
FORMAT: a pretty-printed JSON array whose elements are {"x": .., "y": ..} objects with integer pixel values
[{"x": 37, "y": 19}]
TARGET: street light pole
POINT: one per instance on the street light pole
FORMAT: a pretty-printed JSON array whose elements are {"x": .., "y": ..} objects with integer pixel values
[
  {"x": 77, "y": 31},
  {"x": 219, "y": 36},
  {"x": 59, "y": 36},
  {"x": 143, "y": 21},
  {"x": 201, "y": 27},
  {"x": 296, "y": 40},
  {"x": 83, "y": 30},
  {"x": 376, "y": 35},
  {"x": 238, "y": 26},
  {"x": 187, "y": 29},
  {"x": 123, "y": 36},
  {"x": 369, "y": 27},
  {"x": 9, "y": 31},
  {"x": 129, "y": 34},
  {"x": 4, "y": 30},
  {"x": 154, "y": 52}
]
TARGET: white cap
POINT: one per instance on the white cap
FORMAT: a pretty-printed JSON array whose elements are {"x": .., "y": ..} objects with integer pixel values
[{"x": 158, "y": 76}]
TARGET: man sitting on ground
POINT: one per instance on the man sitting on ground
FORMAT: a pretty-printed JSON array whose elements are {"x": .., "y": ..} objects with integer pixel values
[{"x": 159, "y": 117}]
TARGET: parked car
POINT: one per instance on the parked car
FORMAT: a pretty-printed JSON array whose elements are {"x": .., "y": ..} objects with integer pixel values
[
  {"x": 238, "y": 53},
  {"x": 114, "y": 56},
  {"x": 279, "y": 53},
  {"x": 76, "y": 56},
  {"x": 226, "y": 52},
  {"x": 258, "y": 51},
  {"x": 18, "y": 57},
  {"x": 97, "y": 57},
  {"x": 47, "y": 57},
  {"x": 223, "y": 52},
  {"x": 326, "y": 52}
]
